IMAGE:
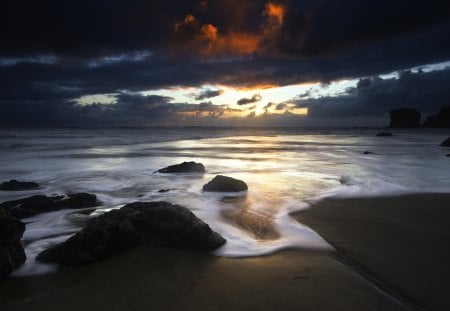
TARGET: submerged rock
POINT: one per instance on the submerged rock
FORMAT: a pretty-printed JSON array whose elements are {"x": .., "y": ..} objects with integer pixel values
[
  {"x": 225, "y": 184},
  {"x": 405, "y": 118},
  {"x": 38, "y": 204},
  {"x": 446, "y": 143},
  {"x": 185, "y": 167},
  {"x": 12, "y": 254},
  {"x": 148, "y": 223},
  {"x": 14, "y": 185},
  {"x": 384, "y": 134},
  {"x": 367, "y": 152}
]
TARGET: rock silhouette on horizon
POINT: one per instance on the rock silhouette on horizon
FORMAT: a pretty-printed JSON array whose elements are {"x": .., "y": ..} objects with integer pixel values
[
  {"x": 442, "y": 119},
  {"x": 222, "y": 183},
  {"x": 446, "y": 143},
  {"x": 405, "y": 118},
  {"x": 144, "y": 223},
  {"x": 185, "y": 167}
]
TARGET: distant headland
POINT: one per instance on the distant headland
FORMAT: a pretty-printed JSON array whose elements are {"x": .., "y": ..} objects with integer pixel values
[{"x": 411, "y": 118}]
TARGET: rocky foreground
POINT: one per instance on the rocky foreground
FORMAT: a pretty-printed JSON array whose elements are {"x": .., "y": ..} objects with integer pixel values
[
  {"x": 12, "y": 254},
  {"x": 139, "y": 223},
  {"x": 144, "y": 223},
  {"x": 38, "y": 204}
]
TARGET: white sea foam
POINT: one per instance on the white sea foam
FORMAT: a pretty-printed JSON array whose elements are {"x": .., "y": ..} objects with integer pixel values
[{"x": 284, "y": 169}]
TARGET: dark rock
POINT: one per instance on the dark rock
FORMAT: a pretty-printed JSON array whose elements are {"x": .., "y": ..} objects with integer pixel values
[
  {"x": 12, "y": 254},
  {"x": 147, "y": 223},
  {"x": 225, "y": 184},
  {"x": 384, "y": 134},
  {"x": 78, "y": 200},
  {"x": 163, "y": 190},
  {"x": 446, "y": 143},
  {"x": 405, "y": 118},
  {"x": 442, "y": 119},
  {"x": 185, "y": 167},
  {"x": 14, "y": 185},
  {"x": 38, "y": 204},
  {"x": 448, "y": 155},
  {"x": 367, "y": 152}
]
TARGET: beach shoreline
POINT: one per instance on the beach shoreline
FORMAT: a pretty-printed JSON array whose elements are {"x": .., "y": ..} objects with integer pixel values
[
  {"x": 400, "y": 243},
  {"x": 368, "y": 270}
]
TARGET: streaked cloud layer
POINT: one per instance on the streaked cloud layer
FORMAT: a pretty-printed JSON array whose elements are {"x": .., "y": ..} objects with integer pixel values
[{"x": 175, "y": 62}]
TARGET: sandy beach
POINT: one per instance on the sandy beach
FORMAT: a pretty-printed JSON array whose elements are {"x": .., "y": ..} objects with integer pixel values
[
  {"x": 392, "y": 254},
  {"x": 401, "y": 243},
  {"x": 167, "y": 279}
]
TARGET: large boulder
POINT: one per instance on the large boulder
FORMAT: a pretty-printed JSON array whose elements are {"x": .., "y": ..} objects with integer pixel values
[
  {"x": 185, "y": 167},
  {"x": 14, "y": 185},
  {"x": 405, "y": 118},
  {"x": 225, "y": 184},
  {"x": 148, "y": 223},
  {"x": 12, "y": 254},
  {"x": 446, "y": 143},
  {"x": 38, "y": 204},
  {"x": 442, "y": 119}
]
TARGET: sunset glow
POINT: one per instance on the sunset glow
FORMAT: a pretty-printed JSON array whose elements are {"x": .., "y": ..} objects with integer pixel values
[
  {"x": 275, "y": 11},
  {"x": 224, "y": 155}
]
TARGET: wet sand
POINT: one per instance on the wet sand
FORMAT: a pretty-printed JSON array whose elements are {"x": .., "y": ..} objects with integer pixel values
[
  {"x": 392, "y": 254},
  {"x": 402, "y": 243},
  {"x": 168, "y": 279}
]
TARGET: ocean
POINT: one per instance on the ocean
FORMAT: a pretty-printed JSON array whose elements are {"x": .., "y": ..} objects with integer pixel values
[{"x": 285, "y": 168}]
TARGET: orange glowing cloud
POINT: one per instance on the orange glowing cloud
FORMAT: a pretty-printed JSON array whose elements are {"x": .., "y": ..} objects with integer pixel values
[
  {"x": 207, "y": 39},
  {"x": 274, "y": 11}
]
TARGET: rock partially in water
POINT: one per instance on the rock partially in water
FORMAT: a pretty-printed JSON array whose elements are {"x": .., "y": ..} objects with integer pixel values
[
  {"x": 405, "y": 118},
  {"x": 12, "y": 254},
  {"x": 222, "y": 183},
  {"x": 185, "y": 167},
  {"x": 38, "y": 204},
  {"x": 14, "y": 185},
  {"x": 446, "y": 143},
  {"x": 384, "y": 134},
  {"x": 368, "y": 152},
  {"x": 148, "y": 223}
]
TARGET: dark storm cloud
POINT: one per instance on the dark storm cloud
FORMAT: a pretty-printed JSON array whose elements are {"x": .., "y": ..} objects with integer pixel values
[
  {"x": 268, "y": 105},
  {"x": 208, "y": 94},
  {"x": 281, "y": 106},
  {"x": 89, "y": 27},
  {"x": 54, "y": 52},
  {"x": 70, "y": 79},
  {"x": 127, "y": 110},
  {"x": 375, "y": 97},
  {"x": 305, "y": 28},
  {"x": 245, "y": 101},
  {"x": 318, "y": 27}
]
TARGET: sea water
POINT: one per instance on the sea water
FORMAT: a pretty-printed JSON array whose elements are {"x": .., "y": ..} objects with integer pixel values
[{"x": 285, "y": 169}]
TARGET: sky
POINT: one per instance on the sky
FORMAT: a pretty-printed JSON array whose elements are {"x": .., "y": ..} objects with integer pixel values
[{"x": 298, "y": 63}]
